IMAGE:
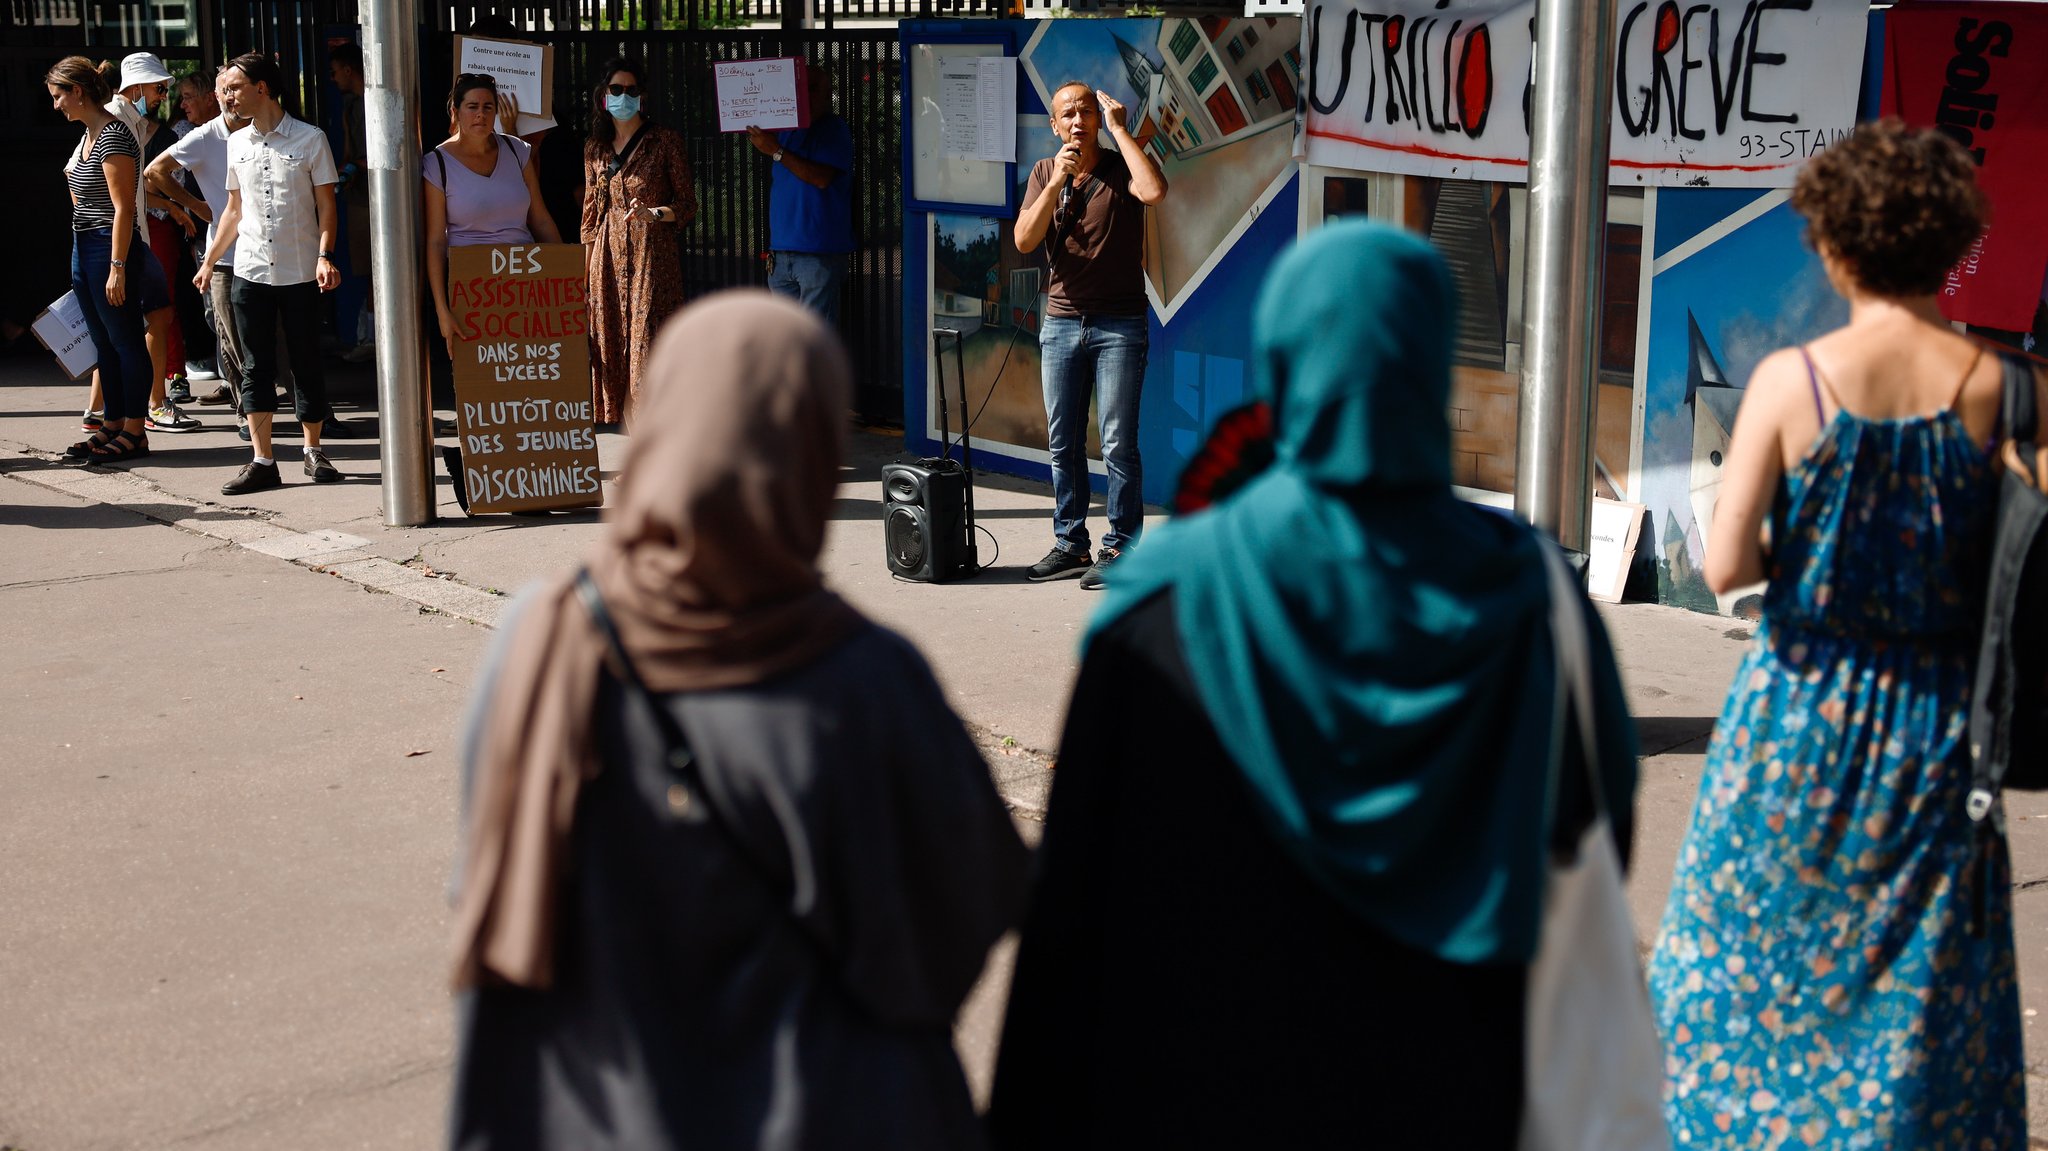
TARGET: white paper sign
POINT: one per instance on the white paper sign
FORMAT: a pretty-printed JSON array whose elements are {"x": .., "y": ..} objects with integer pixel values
[
  {"x": 1611, "y": 547},
  {"x": 1723, "y": 93},
  {"x": 517, "y": 67},
  {"x": 62, "y": 329},
  {"x": 978, "y": 108},
  {"x": 766, "y": 94}
]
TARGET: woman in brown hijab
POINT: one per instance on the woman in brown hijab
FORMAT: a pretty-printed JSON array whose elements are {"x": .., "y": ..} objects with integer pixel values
[{"x": 765, "y": 946}]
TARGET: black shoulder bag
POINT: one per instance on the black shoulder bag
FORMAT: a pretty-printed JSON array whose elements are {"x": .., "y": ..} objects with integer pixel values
[{"x": 2009, "y": 712}]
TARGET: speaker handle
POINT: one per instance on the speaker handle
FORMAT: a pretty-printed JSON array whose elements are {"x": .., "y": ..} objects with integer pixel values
[{"x": 966, "y": 439}]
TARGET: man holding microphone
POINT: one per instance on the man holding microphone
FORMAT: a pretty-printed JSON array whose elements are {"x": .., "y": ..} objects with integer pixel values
[{"x": 1085, "y": 208}]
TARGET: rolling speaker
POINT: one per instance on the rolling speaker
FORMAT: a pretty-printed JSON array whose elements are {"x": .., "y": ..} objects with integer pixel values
[{"x": 925, "y": 520}]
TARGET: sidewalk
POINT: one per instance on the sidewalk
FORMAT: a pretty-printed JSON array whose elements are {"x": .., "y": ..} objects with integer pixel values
[{"x": 1003, "y": 648}]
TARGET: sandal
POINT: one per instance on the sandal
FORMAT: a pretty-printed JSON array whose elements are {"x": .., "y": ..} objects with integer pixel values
[
  {"x": 126, "y": 446},
  {"x": 84, "y": 449}
]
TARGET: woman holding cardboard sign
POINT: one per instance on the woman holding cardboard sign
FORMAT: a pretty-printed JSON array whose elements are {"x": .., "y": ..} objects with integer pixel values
[
  {"x": 638, "y": 173},
  {"x": 480, "y": 189}
]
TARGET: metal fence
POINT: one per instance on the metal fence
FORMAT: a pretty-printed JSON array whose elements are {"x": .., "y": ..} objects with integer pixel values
[
  {"x": 727, "y": 244},
  {"x": 678, "y": 40}
]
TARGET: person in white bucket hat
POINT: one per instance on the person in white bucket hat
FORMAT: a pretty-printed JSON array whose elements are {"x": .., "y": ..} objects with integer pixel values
[{"x": 145, "y": 85}]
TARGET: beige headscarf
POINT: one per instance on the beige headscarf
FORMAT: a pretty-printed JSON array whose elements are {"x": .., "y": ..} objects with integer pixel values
[{"x": 709, "y": 567}]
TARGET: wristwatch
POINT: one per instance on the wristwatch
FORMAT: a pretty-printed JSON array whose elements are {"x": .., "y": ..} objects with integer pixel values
[
  {"x": 776, "y": 158},
  {"x": 117, "y": 263},
  {"x": 327, "y": 256}
]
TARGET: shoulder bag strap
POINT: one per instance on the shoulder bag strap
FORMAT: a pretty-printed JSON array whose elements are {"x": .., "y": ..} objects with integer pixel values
[
  {"x": 443, "y": 162},
  {"x": 1574, "y": 664},
  {"x": 684, "y": 763},
  {"x": 2019, "y": 416}
]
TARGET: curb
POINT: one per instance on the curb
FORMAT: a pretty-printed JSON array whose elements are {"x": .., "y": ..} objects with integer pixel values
[
  {"x": 331, "y": 552},
  {"x": 1023, "y": 776}
]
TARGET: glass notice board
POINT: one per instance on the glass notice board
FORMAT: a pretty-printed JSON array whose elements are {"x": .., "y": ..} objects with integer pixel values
[{"x": 938, "y": 182}]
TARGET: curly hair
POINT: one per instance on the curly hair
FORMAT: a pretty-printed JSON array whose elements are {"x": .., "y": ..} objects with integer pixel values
[{"x": 1898, "y": 205}]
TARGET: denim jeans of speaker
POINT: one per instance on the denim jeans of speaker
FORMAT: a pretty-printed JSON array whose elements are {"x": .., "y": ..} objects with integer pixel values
[
  {"x": 813, "y": 279},
  {"x": 116, "y": 331},
  {"x": 1100, "y": 358}
]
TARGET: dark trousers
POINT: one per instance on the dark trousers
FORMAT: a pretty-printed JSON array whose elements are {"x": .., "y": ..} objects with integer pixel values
[
  {"x": 116, "y": 331},
  {"x": 259, "y": 311}
]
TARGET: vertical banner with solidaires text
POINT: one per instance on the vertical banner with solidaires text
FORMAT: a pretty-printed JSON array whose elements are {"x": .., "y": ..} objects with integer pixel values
[
  {"x": 1719, "y": 93},
  {"x": 522, "y": 377},
  {"x": 1979, "y": 72}
]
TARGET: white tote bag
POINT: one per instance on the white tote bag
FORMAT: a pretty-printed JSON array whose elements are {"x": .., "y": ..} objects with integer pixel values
[{"x": 1595, "y": 1074}]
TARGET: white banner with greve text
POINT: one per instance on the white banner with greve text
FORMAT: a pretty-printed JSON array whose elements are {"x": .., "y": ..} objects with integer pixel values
[{"x": 1727, "y": 93}]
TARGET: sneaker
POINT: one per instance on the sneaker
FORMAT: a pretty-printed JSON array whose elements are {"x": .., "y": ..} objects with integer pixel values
[
  {"x": 360, "y": 354},
  {"x": 169, "y": 419},
  {"x": 178, "y": 390},
  {"x": 1103, "y": 559},
  {"x": 253, "y": 477},
  {"x": 91, "y": 421},
  {"x": 219, "y": 395},
  {"x": 242, "y": 431},
  {"x": 1059, "y": 563},
  {"x": 319, "y": 469},
  {"x": 201, "y": 370}
]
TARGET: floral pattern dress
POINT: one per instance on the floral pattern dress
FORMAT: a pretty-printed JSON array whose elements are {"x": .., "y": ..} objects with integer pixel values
[
  {"x": 1835, "y": 967},
  {"x": 635, "y": 266}
]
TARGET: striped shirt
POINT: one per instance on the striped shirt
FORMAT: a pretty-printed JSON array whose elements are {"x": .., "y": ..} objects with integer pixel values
[{"x": 92, "y": 204}]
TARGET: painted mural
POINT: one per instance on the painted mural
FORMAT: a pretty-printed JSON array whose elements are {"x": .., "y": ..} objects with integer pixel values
[
  {"x": 1213, "y": 101},
  {"x": 1732, "y": 282}
]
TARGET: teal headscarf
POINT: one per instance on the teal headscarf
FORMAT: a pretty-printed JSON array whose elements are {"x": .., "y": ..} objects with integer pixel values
[{"x": 1373, "y": 651}]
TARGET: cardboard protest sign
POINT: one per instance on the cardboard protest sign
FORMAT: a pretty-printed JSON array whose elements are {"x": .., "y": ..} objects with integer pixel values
[
  {"x": 520, "y": 67},
  {"x": 771, "y": 94},
  {"x": 522, "y": 376},
  {"x": 61, "y": 328},
  {"x": 1979, "y": 72},
  {"x": 1722, "y": 93}
]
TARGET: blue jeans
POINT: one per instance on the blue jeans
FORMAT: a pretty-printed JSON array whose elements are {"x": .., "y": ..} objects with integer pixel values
[
  {"x": 116, "y": 332},
  {"x": 812, "y": 279},
  {"x": 1079, "y": 357}
]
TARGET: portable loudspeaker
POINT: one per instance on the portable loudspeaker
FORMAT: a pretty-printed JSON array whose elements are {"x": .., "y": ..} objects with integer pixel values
[{"x": 924, "y": 520}]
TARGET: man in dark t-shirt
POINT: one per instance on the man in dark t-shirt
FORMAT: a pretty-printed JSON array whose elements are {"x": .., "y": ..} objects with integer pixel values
[{"x": 1085, "y": 208}]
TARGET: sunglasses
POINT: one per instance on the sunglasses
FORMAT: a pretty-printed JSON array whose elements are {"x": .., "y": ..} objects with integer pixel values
[
  {"x": 484, "y": 78},
  {"x": 623, "y": 89}
]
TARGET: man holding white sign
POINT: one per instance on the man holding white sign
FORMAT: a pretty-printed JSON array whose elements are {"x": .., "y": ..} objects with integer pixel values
[{"x": 810, "y": 203}]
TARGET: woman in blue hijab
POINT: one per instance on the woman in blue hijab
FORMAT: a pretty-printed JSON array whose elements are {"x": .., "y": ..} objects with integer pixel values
[{"x": 1293, "y": 868}]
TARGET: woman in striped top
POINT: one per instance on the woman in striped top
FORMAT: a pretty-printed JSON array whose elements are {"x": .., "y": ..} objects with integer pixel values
[{"x": 106, "y": 258}]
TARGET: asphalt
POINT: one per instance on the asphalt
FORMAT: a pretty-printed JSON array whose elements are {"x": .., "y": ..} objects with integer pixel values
[{"x": 229, "y": 807}]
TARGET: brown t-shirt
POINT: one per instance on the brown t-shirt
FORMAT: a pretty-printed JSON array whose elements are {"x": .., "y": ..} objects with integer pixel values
[{"x": 1097, "y": 244}]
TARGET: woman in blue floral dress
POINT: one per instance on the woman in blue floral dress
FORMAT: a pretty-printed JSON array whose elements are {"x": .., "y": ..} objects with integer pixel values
[{"x": 1835, "y": 967}]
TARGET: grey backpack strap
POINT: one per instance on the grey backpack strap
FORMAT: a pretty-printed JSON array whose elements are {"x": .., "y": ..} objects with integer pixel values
[{"x": 2017, "y": 415}]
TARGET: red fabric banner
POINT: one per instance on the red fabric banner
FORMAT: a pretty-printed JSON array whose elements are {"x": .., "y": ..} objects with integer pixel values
[{"x": 1980, "y": 73}]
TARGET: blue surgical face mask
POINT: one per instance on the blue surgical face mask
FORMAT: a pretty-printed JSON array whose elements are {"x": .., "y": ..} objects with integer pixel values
[
  {"x": 622, "y": 107},
  {"x": 141, "y": 103}
]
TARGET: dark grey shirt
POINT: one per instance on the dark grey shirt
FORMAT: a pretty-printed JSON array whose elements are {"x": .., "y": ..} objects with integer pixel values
[{"x": 690, "y": 1008}]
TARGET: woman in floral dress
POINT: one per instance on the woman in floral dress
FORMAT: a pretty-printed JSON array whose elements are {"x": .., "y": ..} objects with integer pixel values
[
  {"x": 1835, "y": 967},
  {"x": 640, "y": 195}
]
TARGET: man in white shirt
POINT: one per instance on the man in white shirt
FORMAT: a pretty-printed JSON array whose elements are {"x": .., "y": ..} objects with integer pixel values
[
  {"x": 280, "y": 216},
  {"x": 203, "y": 152}
]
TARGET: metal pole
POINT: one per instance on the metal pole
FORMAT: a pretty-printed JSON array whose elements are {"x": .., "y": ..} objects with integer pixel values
[
  {"x": 391, "y": 77},
  {"x": 1567, "y": 247}
]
